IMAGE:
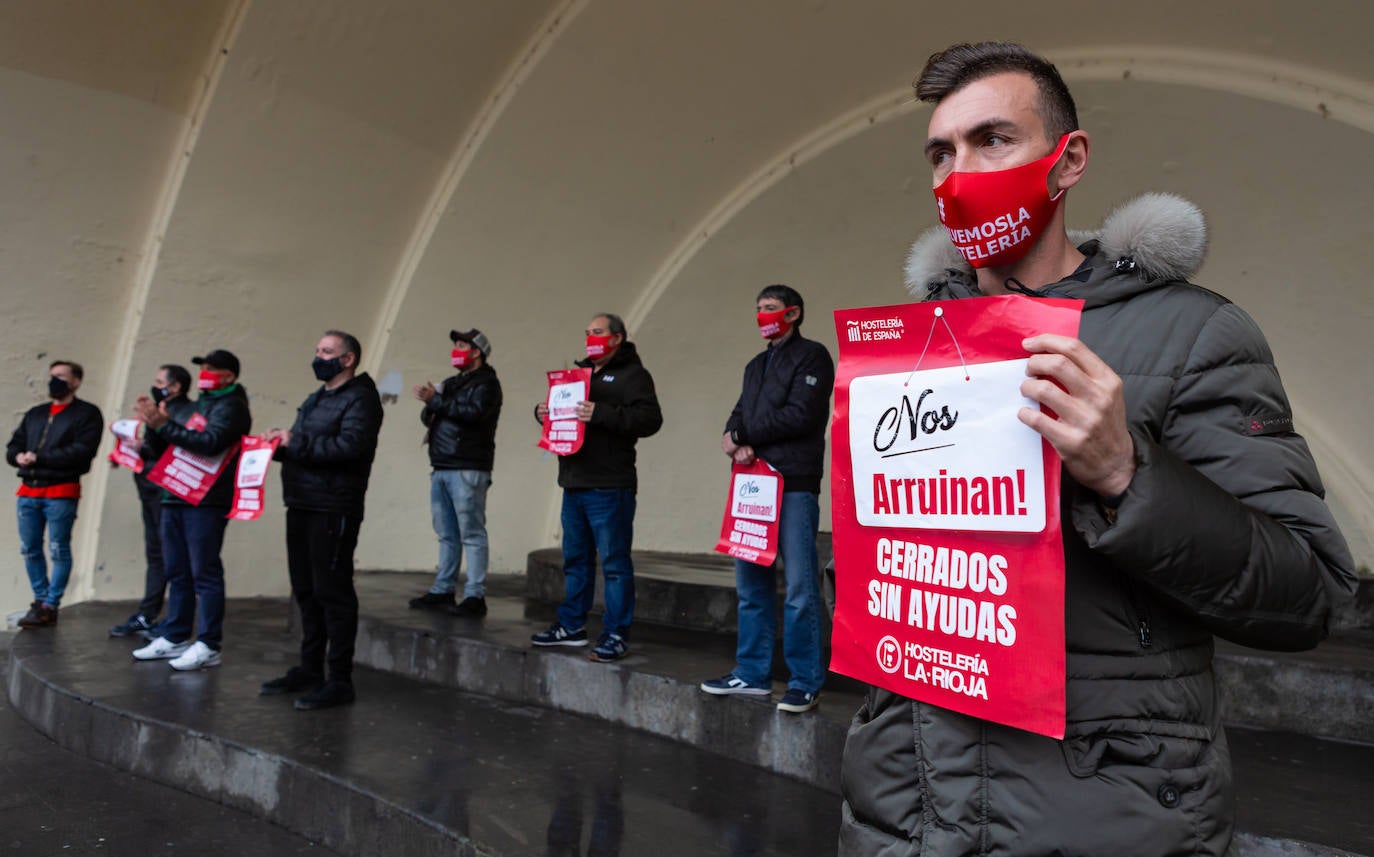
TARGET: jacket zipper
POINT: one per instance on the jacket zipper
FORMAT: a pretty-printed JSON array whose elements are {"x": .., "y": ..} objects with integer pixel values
[{"x": 1142, "y": 616}]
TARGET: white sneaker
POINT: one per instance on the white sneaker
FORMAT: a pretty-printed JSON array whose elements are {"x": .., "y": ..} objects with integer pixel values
[
  {"x": 160, "y": 650},
  {"x": 198, "y": 657}
]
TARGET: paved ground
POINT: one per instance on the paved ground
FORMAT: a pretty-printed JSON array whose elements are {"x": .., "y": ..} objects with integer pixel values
[{"x": 54, "y": 802}]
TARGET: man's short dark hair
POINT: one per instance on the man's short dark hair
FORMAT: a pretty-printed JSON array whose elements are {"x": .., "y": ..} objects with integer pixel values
[
  {"x": 789, "y": 297},
  {"x": 178, "y": 375},
  {"x": 77, "y": 372},
  {"x": 350, "y": 343},
  {"x": 614, "y": 323},
  {"x": 955, "y": 67}
]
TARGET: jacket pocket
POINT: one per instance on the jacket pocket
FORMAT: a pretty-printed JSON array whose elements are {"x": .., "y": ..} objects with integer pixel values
[{"x": 1154, "y": 744}]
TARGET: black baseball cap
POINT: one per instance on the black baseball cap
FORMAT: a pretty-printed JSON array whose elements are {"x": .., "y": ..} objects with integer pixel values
[
  {"x": 473, "y": 337},
  {"x": 219, "y": 359}
]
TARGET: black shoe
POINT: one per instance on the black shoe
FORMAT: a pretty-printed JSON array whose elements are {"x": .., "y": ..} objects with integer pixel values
[
  {"x": 296, "y": 679},
  {"x": 327, "y": 695},
  {"x": 40, "y": 615},
  {"x": 432, "y": 599},
  {"x": 136, "y": 625},
  {"x": 473, "y": 607}
]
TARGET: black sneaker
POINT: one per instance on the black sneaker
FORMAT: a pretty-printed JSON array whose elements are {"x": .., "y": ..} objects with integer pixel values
[
  {"x": 796, "y": 701},
  {"x": 327, "y": 695},
  {"x": 474, "y": 606},
  {"x": 296, "y": 679},
  {"x": 557, "y": 635},
  {"x": 41, "y": 615},
  {"x": 135, "y": 625},
  {"x": 432, "y": 599},
  {"x": 611, "y": 647}
]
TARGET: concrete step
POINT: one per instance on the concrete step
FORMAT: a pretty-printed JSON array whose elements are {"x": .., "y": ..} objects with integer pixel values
[
  {"x": 412, "y": 768},
  {"x": 1327, "y": 693}
]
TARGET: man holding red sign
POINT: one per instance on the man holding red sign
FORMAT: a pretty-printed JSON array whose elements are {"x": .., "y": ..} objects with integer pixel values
[
  {"x": 197, "y": 475},
  {"x": 599, "y": 482},
  {"x": 780, "y": 418},
  {"x": 1190, "y": 507}
]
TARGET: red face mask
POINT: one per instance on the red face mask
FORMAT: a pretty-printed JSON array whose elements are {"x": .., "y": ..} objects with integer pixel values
[
  {"x": 462, "y": 358},
  {"x": 211, "y": 379},
  {"x": 599, "y": 346},
  {"x": 772, "y": 325},
  {"x": 994, "y": 218}
]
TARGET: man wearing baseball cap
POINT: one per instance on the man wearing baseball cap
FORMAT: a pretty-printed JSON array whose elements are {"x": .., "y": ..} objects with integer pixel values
[
  {"x": 192, "y": 536},
  {"x": 460, "y": 418}
]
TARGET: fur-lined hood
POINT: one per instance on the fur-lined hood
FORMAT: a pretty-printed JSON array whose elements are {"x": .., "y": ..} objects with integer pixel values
[{"x": 1157, "y": 237}]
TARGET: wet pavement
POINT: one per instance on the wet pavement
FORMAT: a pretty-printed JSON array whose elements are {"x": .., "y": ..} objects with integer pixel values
[
  {"x": 516, "y": 779},
  {"x": 53, "y": 801}
]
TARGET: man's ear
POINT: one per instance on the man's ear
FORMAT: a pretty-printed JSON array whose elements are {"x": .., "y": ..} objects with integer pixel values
[
  {"x": 792, "y": 314},
  {"x": 1072, "y": 164}
]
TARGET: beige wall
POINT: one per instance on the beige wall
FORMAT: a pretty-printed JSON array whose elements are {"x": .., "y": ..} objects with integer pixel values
[{"x": 398, "y": 169}]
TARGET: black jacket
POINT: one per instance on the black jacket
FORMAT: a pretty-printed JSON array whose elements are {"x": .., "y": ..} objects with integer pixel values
[
  {"x": 626, "y": 410},
  {"x": 1222, "y": 531},
  {"x": 65, "y": 449},
  {"x": 783, "y": 408},
  {"x": 227, "y": 420},
  {"x": 333, "y": 443},
  {"x": 462, "y": 421}
]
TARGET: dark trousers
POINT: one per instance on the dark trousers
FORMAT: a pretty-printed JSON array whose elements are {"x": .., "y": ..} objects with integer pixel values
[
  {"x": 319, "y": 556},
  {"x": 155, "y": 577},
  {"x": 192, "y": 537}
]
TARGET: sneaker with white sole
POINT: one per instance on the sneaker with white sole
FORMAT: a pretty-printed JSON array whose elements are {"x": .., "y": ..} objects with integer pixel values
[
  {"x": 557, "y": 635},
  {"x": 732, "y": 684},
  {"x": 198, "y": 657},
  {"x": 798, "y": 701},
  {"x": 160, "y": 649}
]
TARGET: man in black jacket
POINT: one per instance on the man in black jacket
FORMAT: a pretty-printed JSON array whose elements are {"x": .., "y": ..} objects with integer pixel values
[
  {"x": 326, "y": 462},
  {"x": 460, "y": 419},
  {"x": 780, "y": 417},
  {"x": 52, "y": 448},
  {"x": 599, "y": 483},
  {"x": 170, "y": 384},
  {"x": 192, "y": 536}
]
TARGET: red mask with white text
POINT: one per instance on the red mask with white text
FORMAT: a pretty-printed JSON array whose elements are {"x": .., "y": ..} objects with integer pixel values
[
  {"x": 599, "y": 346},
  {"x": 994, "y": 218},
  {"x": 462, "y": 358},
  {"x": 772, "y": 325},
  {"x": 211, "y": 380}
]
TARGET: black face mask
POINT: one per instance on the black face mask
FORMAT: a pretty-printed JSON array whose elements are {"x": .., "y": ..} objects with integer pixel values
[
  {"x": 159, "y": 393},
  {"x": 325, "y": 370},
  {"x": 58, "y": 388}
]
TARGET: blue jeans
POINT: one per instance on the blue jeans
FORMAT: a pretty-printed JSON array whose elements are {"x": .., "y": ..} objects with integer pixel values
[
  {"x": 58, "y": 515},
  {"x": 598, "y": 521},
  {"x": 458, "y": 507},
  {"x": 191, "y": 540},
  {"x": 758, "y": 617}
]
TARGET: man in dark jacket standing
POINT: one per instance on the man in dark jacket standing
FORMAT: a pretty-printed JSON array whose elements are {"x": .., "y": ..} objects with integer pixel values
[
  {"x": 599, "y": 483},
  {"x": 52, "y": 448},
  {"x": 170, "y": 384},
  {"x": 193, "y": 536},
  {"x": 461, "y": 421},
  {"x": 326, "y": 462},
  {"x": 780, "y": 417},
  {"x": 1191, "y": 508}
]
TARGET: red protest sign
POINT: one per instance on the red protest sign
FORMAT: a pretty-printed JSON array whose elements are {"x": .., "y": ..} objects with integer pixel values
[
  {"x": 949, "y": 562},
  {"x": 251, "y": 476},
  {"x": 125, "y": 452},
  {"x": 750, "y": 529},
  {"x": 563, "y": 431},
  {"x": 185, "y": 474}
]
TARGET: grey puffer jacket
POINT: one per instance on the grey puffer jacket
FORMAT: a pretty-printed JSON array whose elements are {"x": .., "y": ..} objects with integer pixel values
[{"x": 1223, "y": 531}]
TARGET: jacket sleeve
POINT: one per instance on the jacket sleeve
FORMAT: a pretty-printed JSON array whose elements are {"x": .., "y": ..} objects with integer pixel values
[
  {"x": 1223, "y": 518},
  {"x": 473, "y": 409},
  {"x": 735, "y": 422},
  {"x": 225, "y": 425},
  {"x": 805, "y": 409},
  {"x": 76, "y": 453},
  {"x": 637, "y": 415},
  {"x": 359, "y": 425},
  {"x": 18, "y": 441}
]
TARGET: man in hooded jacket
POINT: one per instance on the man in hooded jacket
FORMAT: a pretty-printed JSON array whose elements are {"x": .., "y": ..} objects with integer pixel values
[{"x": 1191, "y": 507}]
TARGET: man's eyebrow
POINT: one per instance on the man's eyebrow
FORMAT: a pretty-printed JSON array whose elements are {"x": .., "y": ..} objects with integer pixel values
[{"x": 980, "y": 130}]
